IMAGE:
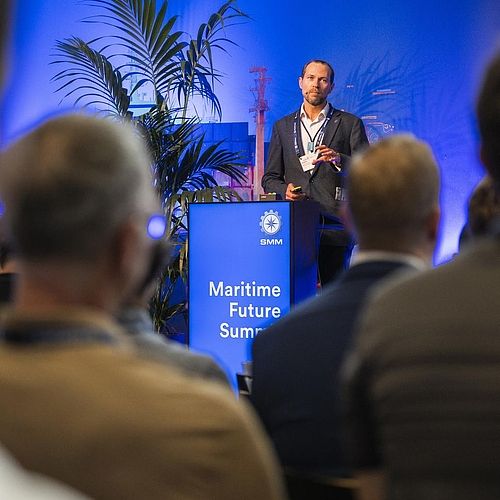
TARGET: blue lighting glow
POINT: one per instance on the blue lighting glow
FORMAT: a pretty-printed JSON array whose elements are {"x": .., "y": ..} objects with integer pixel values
[
  {"x": 157, "y": 225},
  {"x": 401, "y": 66}
]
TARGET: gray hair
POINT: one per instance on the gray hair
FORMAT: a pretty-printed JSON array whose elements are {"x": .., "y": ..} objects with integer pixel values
[
  {"x": 393, "y": 186},
  {"x": 69, "y": 184}
]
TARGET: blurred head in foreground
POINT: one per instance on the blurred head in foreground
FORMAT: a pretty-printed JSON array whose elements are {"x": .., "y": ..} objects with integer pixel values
[
  {"x": 393, "y": 191},
  {"x": 78, "y": 195}
]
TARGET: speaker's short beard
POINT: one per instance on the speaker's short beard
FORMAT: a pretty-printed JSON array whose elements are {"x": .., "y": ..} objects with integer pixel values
[{"x": 316, "y": 100}]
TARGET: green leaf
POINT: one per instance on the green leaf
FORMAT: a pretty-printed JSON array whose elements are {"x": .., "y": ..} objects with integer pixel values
[
  {"x": 88, "y": 65},
  {"x": 178, "y": 67}
]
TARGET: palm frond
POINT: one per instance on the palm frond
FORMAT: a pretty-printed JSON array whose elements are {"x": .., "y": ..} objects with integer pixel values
[
  {"x": 193, "y": 166},
  {"x": 144, "y": 35},
  {"x": 89, "y": 74},
  {"x": 197, "y": 75},
  {"x": 156, "y": 54}
]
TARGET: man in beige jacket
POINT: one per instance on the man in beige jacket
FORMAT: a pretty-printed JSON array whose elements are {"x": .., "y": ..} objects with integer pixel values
[{"x": 77, "y": 403}]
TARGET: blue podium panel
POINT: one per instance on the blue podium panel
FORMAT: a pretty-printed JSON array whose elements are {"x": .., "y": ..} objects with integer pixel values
[{"x": 239, "y": 276}]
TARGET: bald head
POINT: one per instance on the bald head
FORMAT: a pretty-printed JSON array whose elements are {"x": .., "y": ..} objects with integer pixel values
[{"x": 393, "y": 191}]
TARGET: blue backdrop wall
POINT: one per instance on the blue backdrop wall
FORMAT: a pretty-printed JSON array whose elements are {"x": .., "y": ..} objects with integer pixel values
[{"x": 402, "y": 66}]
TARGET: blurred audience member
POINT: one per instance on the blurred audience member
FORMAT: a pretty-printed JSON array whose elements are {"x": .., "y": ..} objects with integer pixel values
[
  {"x": 484, "y": 207},
  {"x": 482, "y": 212},
  {"x": 16, "y": 483},
  {"x": 7, "y": 274},
  {"x": 422, "y": 391},
  {"x": 464, "y": 238},
  {"x": 135, "y": 318},
  {"x": 19, "y": 484},
  {"x": 5, "y": 28},
  {"x": 393, "y": 190},
  {"x": 6, "y": 9},
  {"x": 77, "y": 403}
]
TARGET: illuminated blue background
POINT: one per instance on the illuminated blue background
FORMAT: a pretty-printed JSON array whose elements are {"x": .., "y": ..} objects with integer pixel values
[
  {"x": 428, "y": 55},
  {"x": 224, "y": 245}
]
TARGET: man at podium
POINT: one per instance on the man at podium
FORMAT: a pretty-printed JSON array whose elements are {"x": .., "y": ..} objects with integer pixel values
[{"x": 308, "y": 157}]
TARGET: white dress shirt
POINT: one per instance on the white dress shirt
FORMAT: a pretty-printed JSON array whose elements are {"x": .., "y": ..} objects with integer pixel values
[{"x": 312, "y": 126}]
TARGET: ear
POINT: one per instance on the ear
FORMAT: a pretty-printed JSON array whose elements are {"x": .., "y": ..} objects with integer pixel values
[
  {"x": 128, "y": 257},
  {"x": 300, "y": 82},
  {"x": 122, "y": 243}
]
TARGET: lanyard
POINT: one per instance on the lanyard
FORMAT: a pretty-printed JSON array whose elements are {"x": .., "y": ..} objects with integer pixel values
[{"x": 319, "y": 134}]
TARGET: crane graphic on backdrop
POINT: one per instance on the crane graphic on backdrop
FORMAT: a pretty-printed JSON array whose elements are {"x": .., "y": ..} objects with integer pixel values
[{"x": 260, "y": 107}]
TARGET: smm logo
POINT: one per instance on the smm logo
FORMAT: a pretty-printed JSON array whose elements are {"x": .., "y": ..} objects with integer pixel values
[
  {"x": 270, "y": 224},
  {"x": 271, "y": 241}
]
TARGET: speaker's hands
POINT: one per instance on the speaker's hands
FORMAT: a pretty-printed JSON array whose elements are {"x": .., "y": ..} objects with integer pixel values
[
  {"x": 329, "y": 155},
  {"x": 294, "y": 193}
]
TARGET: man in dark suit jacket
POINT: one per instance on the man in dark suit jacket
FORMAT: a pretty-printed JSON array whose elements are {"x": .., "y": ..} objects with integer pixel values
[
  {"x": 308, "y": 157},
  {"x": 393, "y": 193},
  {"x": 422, "y": 392}
]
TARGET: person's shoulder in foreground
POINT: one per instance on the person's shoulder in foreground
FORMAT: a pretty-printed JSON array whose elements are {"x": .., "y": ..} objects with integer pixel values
[
  {"x": 393, "y": 209},
  {"x": 137, "y": 323},
  {"x": 426, "y": 363},
  {"x": 153, "y": 431},
  {"x": 422, "y": 392}
]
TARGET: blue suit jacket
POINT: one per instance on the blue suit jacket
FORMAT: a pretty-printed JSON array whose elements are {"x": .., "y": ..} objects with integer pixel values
[{"x": 296, "y": 361}]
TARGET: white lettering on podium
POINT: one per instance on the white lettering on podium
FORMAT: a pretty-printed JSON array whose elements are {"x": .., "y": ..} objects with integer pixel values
[
  {"x": 243, "y": 289},
  {"x": 238, "y": 332},
  {"x": 252, "y": 311},
  {"x": 271, "y": 241}
]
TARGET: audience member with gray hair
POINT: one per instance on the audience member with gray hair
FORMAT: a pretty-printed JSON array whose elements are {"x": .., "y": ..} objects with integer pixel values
[
  {"x": 422, "y": 391},
  {"x": 77, "y": 403},
  {"x": 15, "y": 482},
  {"x": 393, "y": 202}
]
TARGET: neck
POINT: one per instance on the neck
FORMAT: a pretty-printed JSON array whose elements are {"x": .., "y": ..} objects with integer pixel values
[
  {"x": 422, "y": 252},
  {"x": 9, "y": 267},
  {"x": 313, "y": 111},
  {"x": 48, "y": 287}
]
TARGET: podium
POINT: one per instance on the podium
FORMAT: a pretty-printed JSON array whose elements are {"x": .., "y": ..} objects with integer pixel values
[{"x": 249, "y": 263}]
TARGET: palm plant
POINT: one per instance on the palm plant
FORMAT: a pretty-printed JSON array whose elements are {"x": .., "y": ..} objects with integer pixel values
[{"x": 142, "y": 48}]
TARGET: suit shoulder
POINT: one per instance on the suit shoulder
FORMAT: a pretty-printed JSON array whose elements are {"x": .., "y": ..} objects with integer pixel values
[{"x": 299, "y": 319}]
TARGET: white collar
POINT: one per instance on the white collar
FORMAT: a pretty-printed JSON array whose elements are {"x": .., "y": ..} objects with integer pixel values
[
  {"x": 321, "y": 116},
  {"x": 363, "y": 256}
]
